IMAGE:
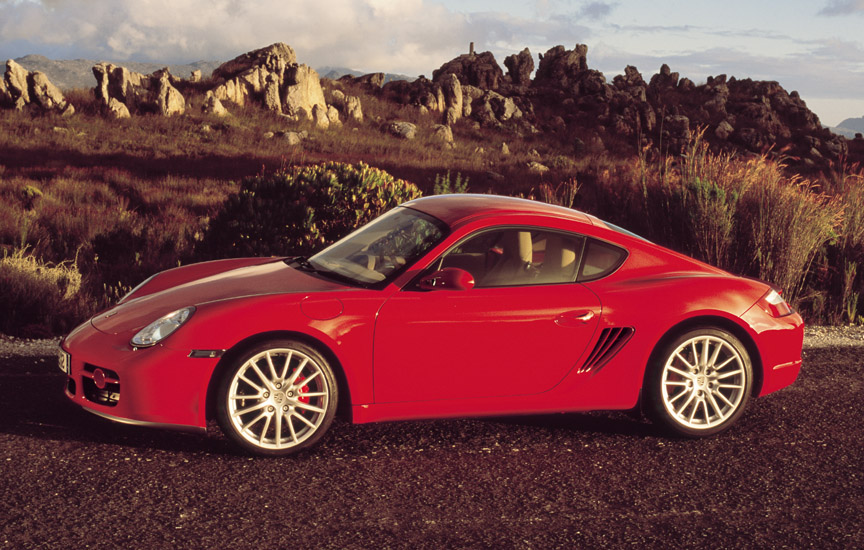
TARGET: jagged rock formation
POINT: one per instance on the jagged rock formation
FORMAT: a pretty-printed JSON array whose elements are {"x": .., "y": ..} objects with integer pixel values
[
  {"x": 519, "y": 67},
  {"x": 480, "y": 70},
  {"x": 272, "y": 78},
  {"x": 567, "y": 96},
  {"x": 122, "y": 92},
  {"x": 20, "y": 89}
]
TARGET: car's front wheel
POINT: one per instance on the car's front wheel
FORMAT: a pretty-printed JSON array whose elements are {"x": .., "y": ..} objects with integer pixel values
[
  {"x": 700, "y": 384},
  {"x": 277, "y": 398}
]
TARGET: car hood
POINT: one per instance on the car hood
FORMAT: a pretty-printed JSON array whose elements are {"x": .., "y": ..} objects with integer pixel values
[{"x": 258, "y": 280}]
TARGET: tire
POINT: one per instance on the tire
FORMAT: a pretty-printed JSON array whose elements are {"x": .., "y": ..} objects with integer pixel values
[
  {"x": 277, "y": 398},
  {"x": 700, "y": 383}
]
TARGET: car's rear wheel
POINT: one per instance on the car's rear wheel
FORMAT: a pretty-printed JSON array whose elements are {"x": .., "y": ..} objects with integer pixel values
[
  {"x": 700, "y": 384},
  {"x": 277, "y": 398}
]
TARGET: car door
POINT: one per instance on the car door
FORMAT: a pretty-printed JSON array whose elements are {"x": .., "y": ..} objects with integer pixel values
[{"x": 518, "y": 332}]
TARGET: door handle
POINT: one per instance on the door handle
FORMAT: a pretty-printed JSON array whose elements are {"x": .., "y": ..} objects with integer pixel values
[{"x": 574, "y": 318}]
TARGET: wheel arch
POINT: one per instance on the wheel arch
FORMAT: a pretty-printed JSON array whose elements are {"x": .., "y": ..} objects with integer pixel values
[
  {"x": 710, "y": 321},
  {"x": 344, "y": 404}
]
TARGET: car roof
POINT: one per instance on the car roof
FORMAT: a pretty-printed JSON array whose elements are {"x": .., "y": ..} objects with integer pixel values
[{"x": 455, "y": 209}]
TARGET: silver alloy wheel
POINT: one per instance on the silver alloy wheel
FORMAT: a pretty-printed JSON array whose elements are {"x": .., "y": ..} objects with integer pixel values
[
  {"x": 278, "y": 398},
  {"x": 703, "y": 382}
]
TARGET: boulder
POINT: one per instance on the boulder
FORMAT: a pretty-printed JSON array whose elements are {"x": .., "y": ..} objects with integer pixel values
[
  {"x": 353, "y": 108},
  {"x": 401, "y": 129},
  {"x": 212, "y": 106},
  {"x": 16, "y": 84},
  {"x": 319, "y": 117},
  {"x": 302, "y": 91},
  {"x": 48, "y": 96},
  {"x": 333, "y": 116},
  {"x": 5, "y": 95},
  {"x": 233, "y": 91},
  {"x": 480, "y": 70},
  {"x": 443, "y": 133},
  {"x": 274, "y": 58},
  {"x": 561, "y": 68},
  {"x": 20, "y": 88},
  {"x": 168, "y": 100},
  {"x": 519, "y": 67},
  {"x": 371, "y": 80},
  {"x": 271, "y": 99},
  {"x": 116, "y": 109},
  {"x": 139, "y": 93},
  {"x": 451, "y": 91},
  {"x": 724, "y": 130},
  {"x": 676, "y": 132}
]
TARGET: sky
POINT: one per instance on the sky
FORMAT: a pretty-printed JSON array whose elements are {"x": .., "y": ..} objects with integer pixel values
[{"x": 815, "y": 46}]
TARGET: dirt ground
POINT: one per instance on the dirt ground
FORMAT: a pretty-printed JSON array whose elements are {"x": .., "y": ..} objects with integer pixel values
[{"x": 790, "y": 474}]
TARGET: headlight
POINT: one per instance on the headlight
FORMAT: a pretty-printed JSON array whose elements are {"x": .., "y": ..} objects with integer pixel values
[{"x": 160, "y": 329}]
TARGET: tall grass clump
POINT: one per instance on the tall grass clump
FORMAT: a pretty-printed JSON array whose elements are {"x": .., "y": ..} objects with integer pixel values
[
  {"x": 744, "y": 215},
  {"x": 298, "y": 210},
  {"x": 842, "y": 263},
  {"x": 39, "y": 299}
]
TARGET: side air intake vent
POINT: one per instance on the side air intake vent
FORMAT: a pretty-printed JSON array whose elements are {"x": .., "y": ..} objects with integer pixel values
[{"x": 611, "y": 341}]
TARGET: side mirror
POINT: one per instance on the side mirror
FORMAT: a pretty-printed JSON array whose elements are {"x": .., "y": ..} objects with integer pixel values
[{"x": 449, "y": 278}]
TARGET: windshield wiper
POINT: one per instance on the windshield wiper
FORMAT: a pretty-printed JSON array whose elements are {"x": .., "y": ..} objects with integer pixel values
[{"x": 303, "y": 264}]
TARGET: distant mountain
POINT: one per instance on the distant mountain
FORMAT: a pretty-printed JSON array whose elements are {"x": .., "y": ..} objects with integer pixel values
[
  {"x": 850, "y": 127},
  {"x": 67, "y": 74},
  {"x": 78, "y": 73},
  {"x": 335, "y": 73}
]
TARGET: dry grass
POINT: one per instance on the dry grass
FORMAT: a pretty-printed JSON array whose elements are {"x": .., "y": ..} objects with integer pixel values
[{"x": 128, "y": 198}]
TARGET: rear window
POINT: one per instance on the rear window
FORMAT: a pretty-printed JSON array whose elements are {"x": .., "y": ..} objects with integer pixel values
[{"x": 600, "y": 259}]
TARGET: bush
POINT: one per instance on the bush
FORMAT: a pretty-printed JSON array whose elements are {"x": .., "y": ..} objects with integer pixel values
[
  {"x": 299, "y": 210},
  {"x": 743, "y": 215},
  {"x": 39, "y": 299}
]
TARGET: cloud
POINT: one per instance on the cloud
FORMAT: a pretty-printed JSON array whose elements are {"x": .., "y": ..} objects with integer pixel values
[
  {"x": 597, "y": 10},
  {"x": 843, "y": 7},
  {"x": 409, "y": 36},
  {"x": 401, "y": 35}
]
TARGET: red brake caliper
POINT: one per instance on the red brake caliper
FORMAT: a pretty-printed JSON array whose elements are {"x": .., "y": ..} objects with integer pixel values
[{"x": 302, "y": 390}]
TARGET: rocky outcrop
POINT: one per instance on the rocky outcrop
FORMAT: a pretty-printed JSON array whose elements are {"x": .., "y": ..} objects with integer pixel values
[
  {"x": 137, "y": 93},
  {"x": 519, "y": 67},
  {"x": 372, "y": 81},
  {"x": 272, "y": 78},
  {"x": 273, "y": 59},
  {"x": 451, "y": 89},
  {"x": 212, "y": 106},
  {"x": 566, "y": 94},
  {"x": 21, "y": 89},
  {"x": 302, "y": 92},
  {"x": 401, "y": 129},
  {"x": 480, "y": 70}
]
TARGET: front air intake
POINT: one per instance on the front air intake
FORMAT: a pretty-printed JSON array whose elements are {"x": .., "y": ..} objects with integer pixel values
[{"x": 610, "y": 342}]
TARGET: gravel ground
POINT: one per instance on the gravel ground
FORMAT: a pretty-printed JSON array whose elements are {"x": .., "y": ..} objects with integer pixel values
[{"x": 789, "y": 475}]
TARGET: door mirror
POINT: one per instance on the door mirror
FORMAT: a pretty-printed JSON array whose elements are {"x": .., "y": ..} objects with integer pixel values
[{"x": 449, "y": 278}]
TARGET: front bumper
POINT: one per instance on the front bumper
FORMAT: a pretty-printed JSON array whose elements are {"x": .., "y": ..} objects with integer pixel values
[{"x": 157, "y": 386}]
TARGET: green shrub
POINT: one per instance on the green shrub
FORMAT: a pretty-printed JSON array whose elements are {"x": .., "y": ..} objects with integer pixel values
[
  {"x": 299, "y": 210},
  {"x": 39, "y": 299},
  {"x": 443, "y": 185}
]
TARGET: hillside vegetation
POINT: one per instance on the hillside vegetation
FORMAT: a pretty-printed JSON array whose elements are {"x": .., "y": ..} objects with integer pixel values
[{"x": 91, "y": 206}]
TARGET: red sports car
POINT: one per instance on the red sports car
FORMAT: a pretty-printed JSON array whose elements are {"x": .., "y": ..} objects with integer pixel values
[{"x": 446, "y": 306}]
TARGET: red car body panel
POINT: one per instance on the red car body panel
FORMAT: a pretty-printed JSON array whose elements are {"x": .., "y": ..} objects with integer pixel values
[{"x": 409, "y": 354}]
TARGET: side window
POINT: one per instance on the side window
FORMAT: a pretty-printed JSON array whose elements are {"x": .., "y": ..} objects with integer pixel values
[
  {"x": 517, "y": 256},
  {"x": 600, "y": 260}
]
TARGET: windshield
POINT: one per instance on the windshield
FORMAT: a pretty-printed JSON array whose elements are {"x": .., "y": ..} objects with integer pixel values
[{"x": 381, "y": 249}]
